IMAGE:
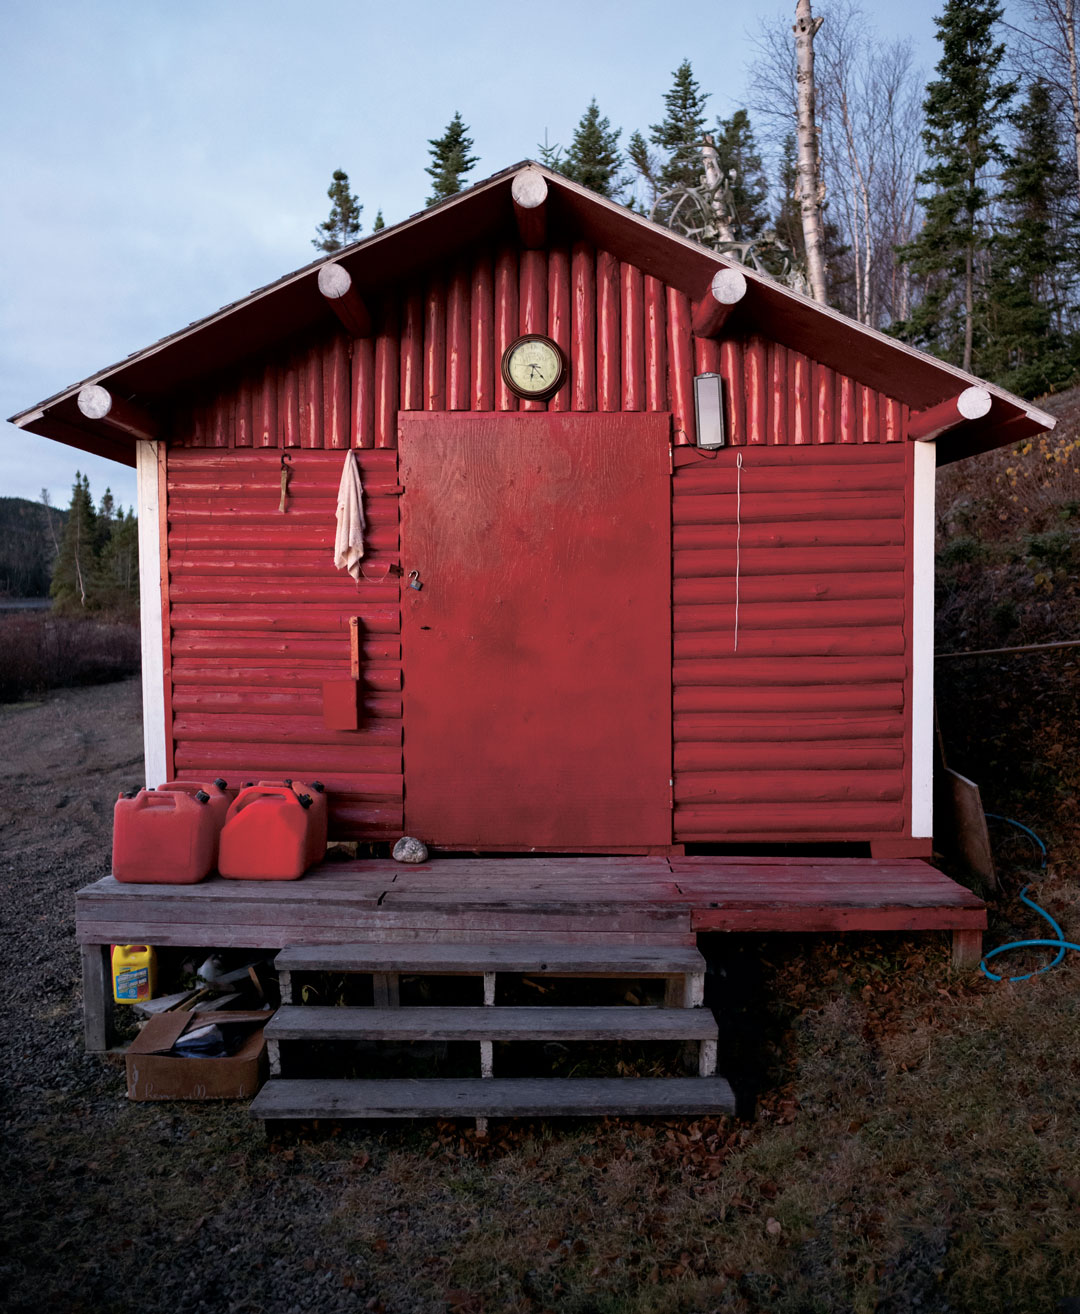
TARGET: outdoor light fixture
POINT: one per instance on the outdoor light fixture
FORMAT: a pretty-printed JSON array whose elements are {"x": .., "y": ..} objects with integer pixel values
[{"x": 709, "y": 410}]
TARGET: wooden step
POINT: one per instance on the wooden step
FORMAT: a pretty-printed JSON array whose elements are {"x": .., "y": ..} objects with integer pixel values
[
  {"x": 535, "y": 958},
  {"x": 549, "y": 1097},
  {"x": 315, "y": 1022}
]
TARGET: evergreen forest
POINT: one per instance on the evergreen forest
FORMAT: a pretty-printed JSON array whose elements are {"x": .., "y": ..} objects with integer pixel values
[
  {"x": 946, "y": 201},
  {"x": 86, "y": 558}
]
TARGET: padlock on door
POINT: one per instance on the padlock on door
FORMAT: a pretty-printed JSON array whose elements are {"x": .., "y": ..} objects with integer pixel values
[{"x": 414, "y": 580}]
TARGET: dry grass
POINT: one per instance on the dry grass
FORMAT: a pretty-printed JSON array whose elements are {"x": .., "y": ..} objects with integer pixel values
[
  {"x": 917, "y": 1152},
  {"x": 1008, "y": 575},
  {"x": 915, "y": 1149}
]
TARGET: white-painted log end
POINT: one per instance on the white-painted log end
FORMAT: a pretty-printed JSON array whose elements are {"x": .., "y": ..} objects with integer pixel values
[
  {"x": 973, "y": 403},
  {"x": 529, "y": 189},
  {"x": 334, "y": 281},
  {"x": 95, "y": 402},
  {"x": 728, "y": 286}
]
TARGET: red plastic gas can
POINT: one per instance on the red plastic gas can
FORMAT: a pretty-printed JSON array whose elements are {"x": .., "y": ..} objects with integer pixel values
[
  {"x": 318, "y": 818},
  {"x": 266, "y": 835},
  {"x": 219, "y": 800},
  {"x": 163, "y": 838}
]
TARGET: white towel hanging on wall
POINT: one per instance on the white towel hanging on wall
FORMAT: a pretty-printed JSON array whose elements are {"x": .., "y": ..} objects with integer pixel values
[{"x": 349, "y": 540}]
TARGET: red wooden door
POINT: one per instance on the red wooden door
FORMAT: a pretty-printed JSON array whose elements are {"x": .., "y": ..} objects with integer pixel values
[{"x": 537, "y": 655}]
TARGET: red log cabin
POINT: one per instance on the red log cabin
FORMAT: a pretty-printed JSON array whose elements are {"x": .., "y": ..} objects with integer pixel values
[{"x": 584, "y": 627}]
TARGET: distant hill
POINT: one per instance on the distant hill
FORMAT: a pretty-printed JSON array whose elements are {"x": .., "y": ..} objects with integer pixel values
[{"x": 27, "y": 546}]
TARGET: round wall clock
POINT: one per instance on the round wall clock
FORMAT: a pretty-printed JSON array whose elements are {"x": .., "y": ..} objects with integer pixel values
[{"x": 534, "y": 367}]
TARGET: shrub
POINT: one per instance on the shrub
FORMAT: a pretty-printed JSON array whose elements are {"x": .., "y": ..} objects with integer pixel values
[
  {"x": 40, "y": 652},
  {"x": 956, "y": 551},
  {"x": 1054, "y": 548}
]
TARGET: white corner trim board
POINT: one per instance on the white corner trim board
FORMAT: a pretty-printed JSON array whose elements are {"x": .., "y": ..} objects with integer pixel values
[
  {"x": 922, "y": 647},
  {"x": 153, "y": 658}
]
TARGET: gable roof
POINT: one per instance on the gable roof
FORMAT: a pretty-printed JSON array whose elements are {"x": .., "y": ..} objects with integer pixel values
[{"x": 293, "y": 303}]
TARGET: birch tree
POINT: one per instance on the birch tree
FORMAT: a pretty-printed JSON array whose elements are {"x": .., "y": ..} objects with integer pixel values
[
  {"x": 867, "y": 95},
  {"x": 811, "y": 184},
  {"x": 870, "y": 118}
]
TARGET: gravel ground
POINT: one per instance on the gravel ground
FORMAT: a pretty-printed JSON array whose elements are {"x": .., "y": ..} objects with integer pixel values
[
  {"x": 114, "y": 1206},
  {"x": 111, "y": 1205},
  {"x": 914, "y": 1147}
]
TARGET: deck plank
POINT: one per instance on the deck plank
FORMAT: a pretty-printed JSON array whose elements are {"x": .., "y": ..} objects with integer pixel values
[
  {"x": 255, "y": 935},
  {"x": 817, "y": 919},
  {"x": 507, "y": 899},
  {"x": 535, "y": 1022},
  {"x": 533, "y": 957},
  {"x": 474, "y": 1097}
]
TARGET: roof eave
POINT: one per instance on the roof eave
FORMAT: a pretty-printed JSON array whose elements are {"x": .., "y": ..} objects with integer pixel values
[{"x": 293, "y": 304}]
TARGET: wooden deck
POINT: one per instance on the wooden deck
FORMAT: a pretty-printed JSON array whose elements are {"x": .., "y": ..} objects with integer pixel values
[
  {"x": 620, "y": 900},
  {"x": 597, "y": 901}
]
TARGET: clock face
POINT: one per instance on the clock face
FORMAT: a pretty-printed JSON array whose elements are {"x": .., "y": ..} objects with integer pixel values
[{"x": 534, "y": 367}]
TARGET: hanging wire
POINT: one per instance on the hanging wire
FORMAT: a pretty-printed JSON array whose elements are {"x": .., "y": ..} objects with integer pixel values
[{"x": 738, "y": 540}]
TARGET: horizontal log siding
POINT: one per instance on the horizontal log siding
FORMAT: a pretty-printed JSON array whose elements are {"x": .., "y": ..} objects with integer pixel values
[
  {"x": 260, "y": 618},
  {"x": 438, "y": 343},
  {"x": 801, "y": 732}
]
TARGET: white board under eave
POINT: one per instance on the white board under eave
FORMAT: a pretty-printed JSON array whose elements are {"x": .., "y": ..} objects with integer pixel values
[
  {"x": 153, "y": 657},
  {"x": 922, "y": 656}
]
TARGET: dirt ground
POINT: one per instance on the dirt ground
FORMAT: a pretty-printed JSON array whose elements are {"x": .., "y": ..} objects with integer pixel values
[{"x": 915, "y": 1147}]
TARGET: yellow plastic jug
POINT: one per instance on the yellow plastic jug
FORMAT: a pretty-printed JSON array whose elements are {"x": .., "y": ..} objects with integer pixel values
[{"x": 134, "y": 972}]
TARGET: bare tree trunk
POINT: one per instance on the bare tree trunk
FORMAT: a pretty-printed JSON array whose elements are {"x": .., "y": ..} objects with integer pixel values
[
  {"x": 1074, "y": 91},
  {"x": 969, "y": 306},
  {"x": 714, "y": 182},
  {"x": 810, "y": 189},
  {"x": 862, "y": 243}
]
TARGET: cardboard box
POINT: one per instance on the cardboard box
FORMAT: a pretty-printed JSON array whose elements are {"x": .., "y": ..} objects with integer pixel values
[{"x": 155, "y": 1074}]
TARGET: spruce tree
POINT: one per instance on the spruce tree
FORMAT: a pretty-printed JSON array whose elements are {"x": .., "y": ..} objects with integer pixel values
[
  {"x": 740, "y": 163},
  {"x": 119, "y": 563},
  {"x": 645, "y": 162},
  {"x": 74, "y": 581},
  {"x": 1033, "y": 257},
  {"x": 550, "y": 156},
  {"x": 681, "y": 131},
  {"x": 343, "y": 225},
  {"x": 594, "y": 159},
  {"x": 380, "y": 222},
  {"x": 103, "y": 526},
  {"x": 963, "y": 109},
  {"x": 788, "y": 225},
  {"x": 450, "y": 160}
]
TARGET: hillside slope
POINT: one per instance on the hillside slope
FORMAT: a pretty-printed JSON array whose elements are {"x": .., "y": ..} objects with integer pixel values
[
  {"x": 1009, "y": 576},
  {"x": 27, "y": 546}
]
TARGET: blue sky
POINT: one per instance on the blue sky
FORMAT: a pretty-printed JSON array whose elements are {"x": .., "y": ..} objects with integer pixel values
[{"x": 161, "y": 160}]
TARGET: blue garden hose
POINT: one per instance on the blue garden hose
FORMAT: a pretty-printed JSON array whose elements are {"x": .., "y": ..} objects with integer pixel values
[
  {"x": 1060, "y": 944},
  {"x": 993, "y": 816}
]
